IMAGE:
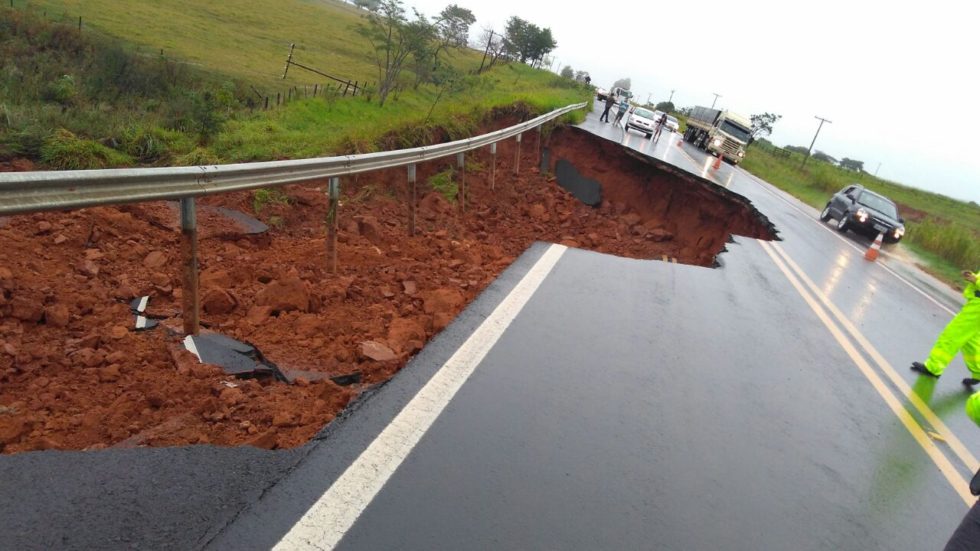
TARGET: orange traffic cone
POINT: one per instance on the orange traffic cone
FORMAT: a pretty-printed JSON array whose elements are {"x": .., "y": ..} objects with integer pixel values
[
  {"x": 717, "y": 164},
  {"x": 872, "y": 253}
]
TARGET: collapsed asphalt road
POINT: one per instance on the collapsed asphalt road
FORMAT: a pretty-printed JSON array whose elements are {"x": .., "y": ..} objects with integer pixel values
[{"x": 620, "y": 403}]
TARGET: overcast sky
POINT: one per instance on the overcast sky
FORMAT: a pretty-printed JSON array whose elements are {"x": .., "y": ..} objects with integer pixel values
[{"x": 897, "y": 81}]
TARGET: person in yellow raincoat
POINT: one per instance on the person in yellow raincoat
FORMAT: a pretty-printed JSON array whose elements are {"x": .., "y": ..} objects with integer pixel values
[{"x": 962, "y": 334}]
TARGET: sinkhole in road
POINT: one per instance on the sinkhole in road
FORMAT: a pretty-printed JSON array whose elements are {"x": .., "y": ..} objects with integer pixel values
[
  {"x": 73, "y": 375},
  {"x": 653, "y": 199}
]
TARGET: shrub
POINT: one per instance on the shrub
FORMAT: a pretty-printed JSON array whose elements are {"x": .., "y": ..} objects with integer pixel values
[
  {"x": 61, "y": 91},
  {"x": 146, "y": 145},
  {"x": 198, "y": 157},
  {"x": 65, "y": 151}
]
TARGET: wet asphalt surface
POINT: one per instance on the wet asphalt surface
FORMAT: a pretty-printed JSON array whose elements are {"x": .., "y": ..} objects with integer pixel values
[{"x": 631, "y": 404}]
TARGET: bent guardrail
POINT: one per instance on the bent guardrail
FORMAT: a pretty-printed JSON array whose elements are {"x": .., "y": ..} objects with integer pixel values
[{"x": 28, "y": 192}]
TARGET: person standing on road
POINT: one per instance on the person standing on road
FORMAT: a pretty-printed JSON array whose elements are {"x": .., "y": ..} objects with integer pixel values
[
  {"x": 610, "y": 100},
  {"x": 623, "y": 107},
  {"x": 660, "y": 126},
  {"x": 962, "y": 334}
]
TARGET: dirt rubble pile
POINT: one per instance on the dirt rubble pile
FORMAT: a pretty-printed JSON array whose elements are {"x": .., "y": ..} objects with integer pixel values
[{"x": 75, "y": 374}]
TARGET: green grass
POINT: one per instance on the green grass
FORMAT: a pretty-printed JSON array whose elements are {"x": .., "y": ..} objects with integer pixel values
[
  {"x": 192, "y": 105},
  {"x": 244, "y": 39},
  {"x": 445, "y": 184},
  {"x": 941, "y": 230},
  {"x": 314, "y": 127}
]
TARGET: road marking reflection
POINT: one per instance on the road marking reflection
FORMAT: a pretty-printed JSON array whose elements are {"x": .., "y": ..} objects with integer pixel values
[
  {"x": 952, "y": 475},
  {"x": 961, "y": 451}
]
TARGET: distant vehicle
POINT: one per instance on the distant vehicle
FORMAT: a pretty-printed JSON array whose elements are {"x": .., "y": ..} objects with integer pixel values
[
  {"x": 672, "y": 124},
  {"x": 621, "y": 92},
  {"x": 601, "y": 93},
  {"x": 865, "y": 212},
  {"x": 719, "y": 132},
  {"x": 641, "y": 119}
]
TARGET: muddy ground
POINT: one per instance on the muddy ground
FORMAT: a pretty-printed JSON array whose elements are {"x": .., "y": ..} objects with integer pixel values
[{"x": 74, "y": 374}]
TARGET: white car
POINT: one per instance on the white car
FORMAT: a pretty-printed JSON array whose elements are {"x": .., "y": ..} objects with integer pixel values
[
  {"x": 641, "y": 119},
  {"x": 672, "y": 124}
]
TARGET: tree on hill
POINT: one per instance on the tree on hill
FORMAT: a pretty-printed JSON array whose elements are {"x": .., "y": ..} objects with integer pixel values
[
  {"x": 762, "y": 124},
  {"x": 852, "y": 164},
  {"x": 525, "y": 41},
  {"x": 452, "y": 27},
  {"x": 568, "y": 72},
  {"x": 393, "y": 39},
  {"x": 624, "y": 83},
  {"x": 582, "y": 75},
  {"x": 798, "y": 149},
  {"x": 665, "y": 106}
]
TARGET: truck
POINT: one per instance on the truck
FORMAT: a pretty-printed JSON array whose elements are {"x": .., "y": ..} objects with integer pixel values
[
  {"x": 616, "y": 92},
  {"x": 719, "y": 132}
]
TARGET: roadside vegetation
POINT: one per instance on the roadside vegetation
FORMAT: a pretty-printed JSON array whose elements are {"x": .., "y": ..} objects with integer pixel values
[
  {"x": 940, "y": 230},
  {"x": 181, "y": 83}
]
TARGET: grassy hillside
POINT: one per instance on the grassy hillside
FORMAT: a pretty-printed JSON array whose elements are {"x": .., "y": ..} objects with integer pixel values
[
  {"x": 244, "y": 39},
  {"x": 944, "y": 231},
  {"x": 105, "y": 96}
]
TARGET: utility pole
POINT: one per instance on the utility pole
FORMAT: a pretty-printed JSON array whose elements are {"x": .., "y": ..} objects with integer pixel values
[
  {"x": 671, "y": 100},
  {"x": 822, "y": 120},
  {"x": 876, "y": 169},
  {"x": 649, "y": 95},
  {"x": 716, "y": 99}
]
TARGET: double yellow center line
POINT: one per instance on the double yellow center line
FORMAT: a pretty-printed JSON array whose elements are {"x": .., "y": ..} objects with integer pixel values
[{"x": 828, "y": 313}]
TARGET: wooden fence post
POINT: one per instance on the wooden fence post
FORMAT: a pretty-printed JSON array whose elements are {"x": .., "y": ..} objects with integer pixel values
[
  {"x": 333, "y": 193},
  {"x": 188, "y": 244}
]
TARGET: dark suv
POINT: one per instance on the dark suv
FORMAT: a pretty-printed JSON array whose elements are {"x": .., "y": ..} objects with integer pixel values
[{"x": 865, "y": 212}]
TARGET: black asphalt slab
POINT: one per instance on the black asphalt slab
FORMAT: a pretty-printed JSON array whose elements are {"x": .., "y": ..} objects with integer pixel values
[{"x": 166, "y": 498}]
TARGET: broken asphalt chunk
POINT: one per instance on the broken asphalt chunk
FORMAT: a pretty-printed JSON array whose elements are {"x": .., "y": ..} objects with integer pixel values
[{"x": 234, "y": 357}]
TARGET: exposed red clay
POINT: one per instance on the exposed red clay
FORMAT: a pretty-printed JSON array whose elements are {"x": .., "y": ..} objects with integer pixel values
[{"x": 75, "y": 375}]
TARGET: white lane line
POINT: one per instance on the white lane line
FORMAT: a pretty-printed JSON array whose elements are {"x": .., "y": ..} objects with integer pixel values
[
  {"x": 961, "y": 451},
  {"x": 329, "y": 519},
  {"x": 765, "y": 185},
  {"x": 953, "y": 476}
]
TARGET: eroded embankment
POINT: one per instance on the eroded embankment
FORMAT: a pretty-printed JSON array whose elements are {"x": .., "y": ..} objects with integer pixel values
[{"x": 75, "y": 375}]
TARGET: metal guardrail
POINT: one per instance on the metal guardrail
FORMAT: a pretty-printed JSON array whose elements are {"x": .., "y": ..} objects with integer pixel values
[{"x": 25, "y": 192}]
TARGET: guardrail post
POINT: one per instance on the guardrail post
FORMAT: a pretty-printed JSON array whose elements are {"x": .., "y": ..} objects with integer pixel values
[
  {"x": 188, "y": 245},
  {"x": 493, "y": 165},
  {"x": 333, "y": 193},
  {"x": 539, "y": 144},
  {"x": 517, "y": 156},
  {"x": 461, "y": 166},
  {"x": 412, "y": 199}
]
